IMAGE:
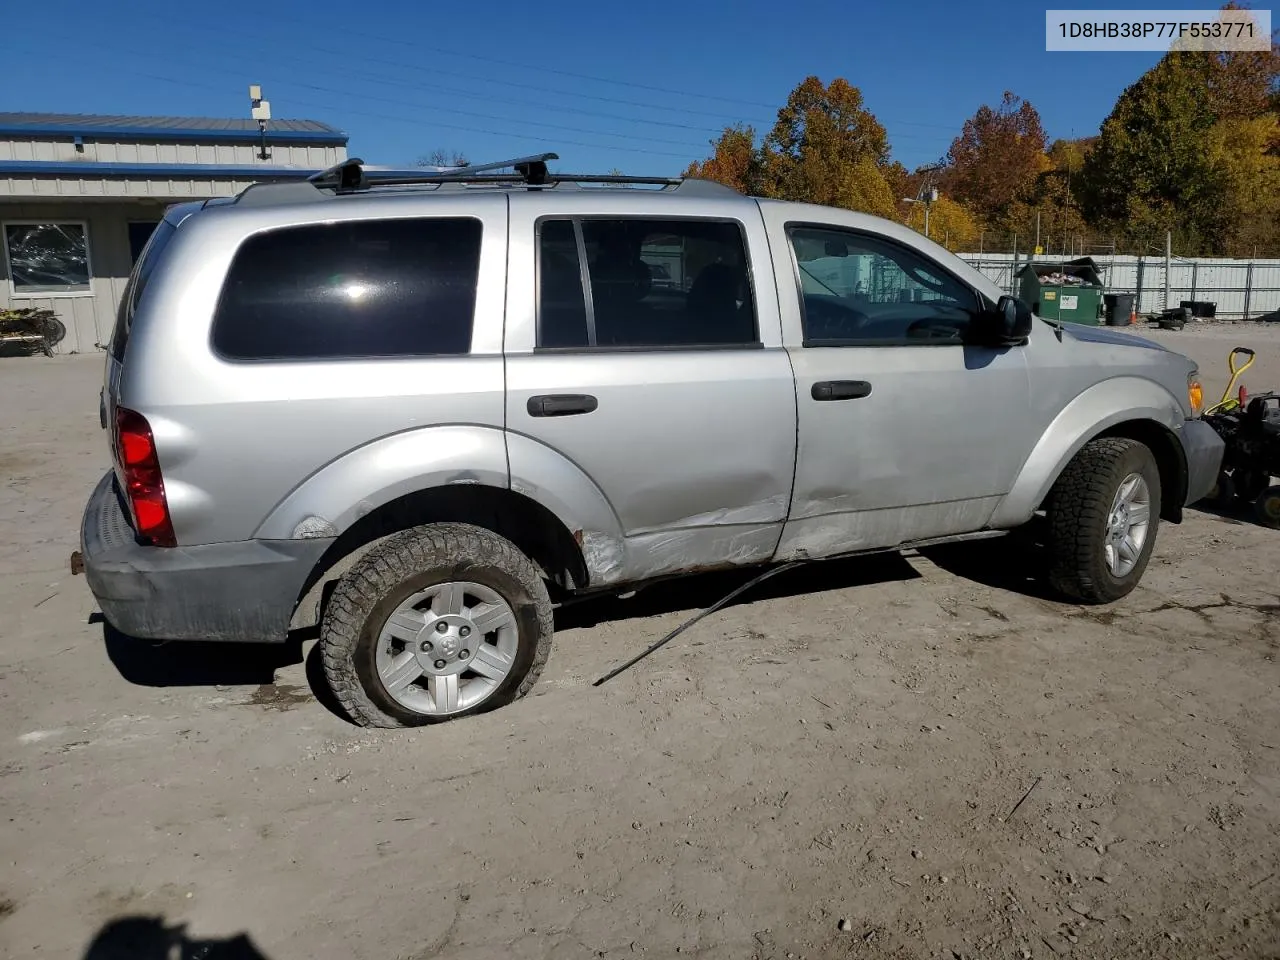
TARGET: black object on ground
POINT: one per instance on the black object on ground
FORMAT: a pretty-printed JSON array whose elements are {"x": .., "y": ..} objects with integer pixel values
[
  {"x": 771, "y": 572},
  {"x": 1175, "y": 318},
  {"x": 1117, "y": 308},
  {"x": 1206, "y": 309},
  {"x": 1252, "y": 457}
]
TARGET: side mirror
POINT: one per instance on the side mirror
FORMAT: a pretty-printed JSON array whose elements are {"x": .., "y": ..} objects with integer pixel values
[{"x": 1008, "y": 325}]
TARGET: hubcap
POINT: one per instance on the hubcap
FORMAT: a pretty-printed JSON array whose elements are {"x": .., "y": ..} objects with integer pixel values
[
  {"x": 447, "y": 648},
  {"x": 1127, "y": 525}
]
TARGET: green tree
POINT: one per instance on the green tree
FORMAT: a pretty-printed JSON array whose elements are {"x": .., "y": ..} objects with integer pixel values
[
  {"x": 1149, "y": 170},
  {"x": 1244, "y": 153}
]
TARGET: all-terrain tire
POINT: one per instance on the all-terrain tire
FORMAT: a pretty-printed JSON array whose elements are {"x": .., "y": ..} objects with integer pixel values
[
  {"x": 1079, "y": 511},
  {"x": 404, "y": 564}
]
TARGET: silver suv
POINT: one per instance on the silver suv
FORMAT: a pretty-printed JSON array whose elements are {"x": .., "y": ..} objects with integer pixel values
[{"x": 421, "y": 410}]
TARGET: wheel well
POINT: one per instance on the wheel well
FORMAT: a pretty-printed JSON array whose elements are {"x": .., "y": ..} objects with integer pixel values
[
  {"x": 1161, "y": 441},
  {"x": 534, "y": 529}
]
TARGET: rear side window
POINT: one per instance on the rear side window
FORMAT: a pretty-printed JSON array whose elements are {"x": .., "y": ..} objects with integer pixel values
[
  {"x": 134, "y": 290},
  {"x": 356, "y": 289},
  {"x": 648, "y": 284}
]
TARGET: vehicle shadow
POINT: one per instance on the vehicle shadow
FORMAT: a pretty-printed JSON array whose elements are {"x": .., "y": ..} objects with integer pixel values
[
  {"x": 1237, "y": 513},
  {"x": 1017, "y": 562},
  {"x": 698, "y": 591},
  {"x": 150, "y": 938},
  {"x": 195, "y": 664}
]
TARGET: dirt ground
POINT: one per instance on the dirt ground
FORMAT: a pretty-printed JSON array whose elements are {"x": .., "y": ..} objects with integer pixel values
[{"x": 905, "y": 757}]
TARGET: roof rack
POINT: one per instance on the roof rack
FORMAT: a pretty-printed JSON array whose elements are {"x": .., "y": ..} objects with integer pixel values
[{"x": 351, "y": 176}]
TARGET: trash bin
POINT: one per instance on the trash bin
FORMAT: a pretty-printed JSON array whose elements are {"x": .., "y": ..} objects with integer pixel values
[
  {"x": 1118, "y": 307},
  {"x": 1070, "y": 291}
]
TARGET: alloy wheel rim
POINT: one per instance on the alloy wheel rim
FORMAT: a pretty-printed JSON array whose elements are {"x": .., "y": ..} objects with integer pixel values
[
  {"x": 447, "y": 648},
  {"x": 1128, "y": 524}
]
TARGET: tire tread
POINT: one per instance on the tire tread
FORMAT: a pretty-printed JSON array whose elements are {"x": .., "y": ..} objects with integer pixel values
[
  {"x": 455, "y": 546},
  {"x": 1078, "y": 508}
]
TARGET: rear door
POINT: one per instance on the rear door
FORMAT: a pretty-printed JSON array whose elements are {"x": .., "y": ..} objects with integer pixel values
[{"x": 644, "y": 349}]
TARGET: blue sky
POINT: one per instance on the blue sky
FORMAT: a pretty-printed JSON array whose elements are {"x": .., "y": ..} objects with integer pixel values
[{"x": 637, "y": 87}]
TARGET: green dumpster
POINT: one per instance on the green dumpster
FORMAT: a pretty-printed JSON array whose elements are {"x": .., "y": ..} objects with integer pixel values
[{"x": 1070, "y": 290}]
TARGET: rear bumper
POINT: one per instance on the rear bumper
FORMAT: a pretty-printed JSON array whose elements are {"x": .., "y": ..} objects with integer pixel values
[
  {"x": 1203, "y": 449},
  {"x": 243, "y": 591}
]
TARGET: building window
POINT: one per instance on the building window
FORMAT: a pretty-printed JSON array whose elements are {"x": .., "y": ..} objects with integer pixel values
[{"x": 47, "y": 259}]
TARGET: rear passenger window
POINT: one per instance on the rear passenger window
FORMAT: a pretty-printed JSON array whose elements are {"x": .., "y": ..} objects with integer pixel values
[
  {"x": 369, "y": 288},
  {"x": 650, "y": 283}
]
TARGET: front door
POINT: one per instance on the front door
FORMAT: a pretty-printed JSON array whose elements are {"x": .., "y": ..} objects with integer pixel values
[
  {"x": 905, "y": 432},
  {"x": 644, "y": 356}
]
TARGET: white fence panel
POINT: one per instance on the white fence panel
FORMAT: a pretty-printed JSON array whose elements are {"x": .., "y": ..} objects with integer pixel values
[{"x": 1241, "y": 289}]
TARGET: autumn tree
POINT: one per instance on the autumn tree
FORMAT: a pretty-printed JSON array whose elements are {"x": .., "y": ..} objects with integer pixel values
[
  {"x": 735, "y": 161},
  {"x": 827, "y": 148},
  {"x": 951, "y": 223},
  {"x": 1242, "y": 83},
  {"x": 997, "y": 156}
]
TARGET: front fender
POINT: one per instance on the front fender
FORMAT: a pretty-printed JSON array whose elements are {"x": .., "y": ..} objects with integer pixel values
[
  {"x": 1098, "y": 408},
  {"x": 361, "y": 480}
]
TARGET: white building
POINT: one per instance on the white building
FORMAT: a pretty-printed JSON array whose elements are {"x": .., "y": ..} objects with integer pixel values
[{"x": 80, "y": 195}]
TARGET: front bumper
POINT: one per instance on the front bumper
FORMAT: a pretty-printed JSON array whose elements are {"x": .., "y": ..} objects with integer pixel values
[
  {"x": 1203, "y": 449},
  {"x": 243, "y": 591}
]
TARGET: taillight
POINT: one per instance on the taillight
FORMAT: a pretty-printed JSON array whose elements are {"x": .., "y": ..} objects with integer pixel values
[{"x": 143, "y": 484}]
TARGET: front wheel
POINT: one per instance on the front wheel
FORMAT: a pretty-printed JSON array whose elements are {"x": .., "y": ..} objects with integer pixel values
[
  {"x": 434, "y": 623},
  {"x": 1103, "y": 517}
]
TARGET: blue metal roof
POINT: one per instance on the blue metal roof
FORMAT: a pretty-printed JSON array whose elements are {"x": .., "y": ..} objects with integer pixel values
[
  {"x": 153, "y": 171},
  {"x": 240, "y": 130}
]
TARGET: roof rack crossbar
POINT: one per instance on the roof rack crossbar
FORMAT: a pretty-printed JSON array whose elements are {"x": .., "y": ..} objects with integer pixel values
[
  {"x": 517, "y": 163},
  {"x": 350, "y": 176},
  {"x": 375, "y": 179}
]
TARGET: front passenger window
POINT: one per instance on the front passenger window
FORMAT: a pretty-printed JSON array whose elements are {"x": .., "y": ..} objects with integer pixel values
[{"x": 859, "y": 289}]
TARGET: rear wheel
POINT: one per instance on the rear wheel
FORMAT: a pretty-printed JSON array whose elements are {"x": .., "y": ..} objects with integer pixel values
[
  {"x": 435, "y": 623},
  {"x": 1103, "y": 515},
  {"x": 55, "y": 331},
  {"x": 1267, "y": 507}
]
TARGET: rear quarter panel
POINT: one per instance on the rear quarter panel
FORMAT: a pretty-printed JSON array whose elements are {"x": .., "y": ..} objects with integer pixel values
[{"x": 236, "y": 439}]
